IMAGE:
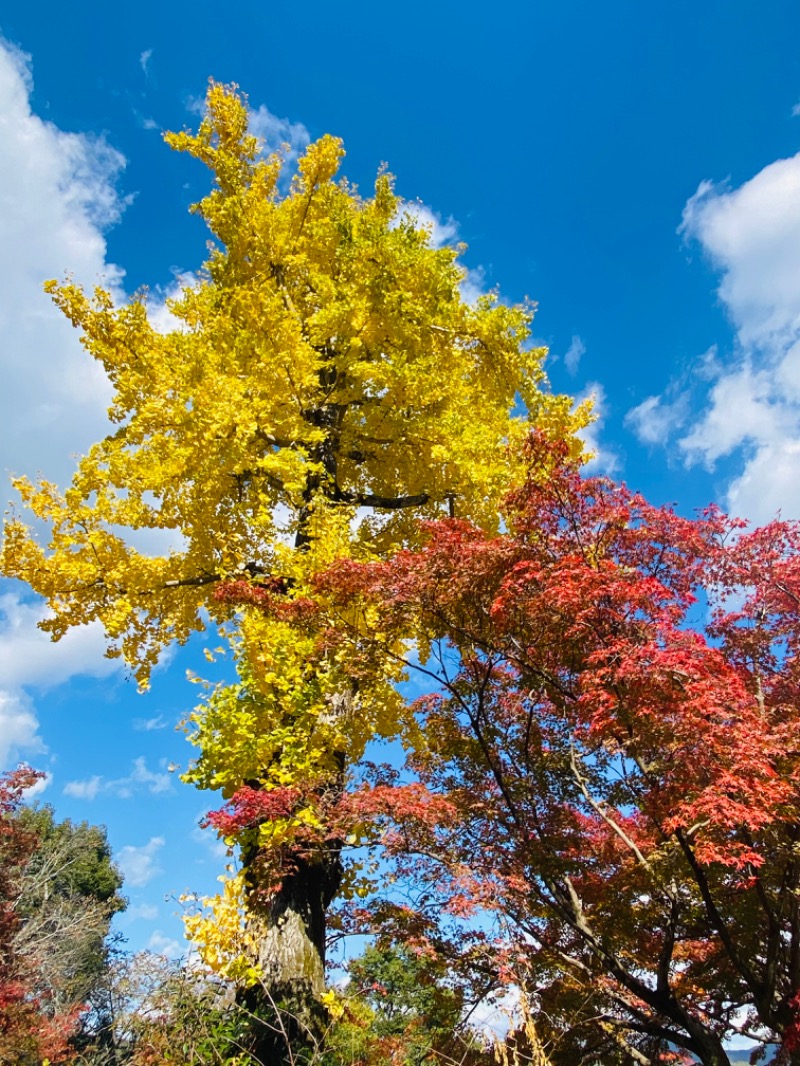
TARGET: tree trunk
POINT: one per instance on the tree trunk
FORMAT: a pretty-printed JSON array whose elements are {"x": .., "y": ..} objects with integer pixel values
[
  {"x": 289, "y": 1021},
  {"x": 292, "y": 1019},
  {"x": 708, "y": 1047}
]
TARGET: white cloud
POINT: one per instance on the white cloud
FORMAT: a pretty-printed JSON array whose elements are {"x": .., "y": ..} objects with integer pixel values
[
  {"x": 495, "y": 1015},
  {"x": 442, "y": 231},
  {"x": 654, "y": 420},
  {"x": 29, "y": 659},
  {"x": 19, "y": 728},
  {"x": 144, "y": 60},
  {"x": 140, "y": 779},
  {"x": 154, "y": 782},
  {"x": 57, "y": 195},
  {"x": 44, "y": 782},
  {"x": 742, "y": 408},
  {"x": 604, "y": 459},
  {"x": 139, "y": 865},
  {"x": 752, "y": 236},
  {"x": 573, "y": 357},
  {"x": 147, "y": 725},
  {"x": 279, "y": 135},
  {"x": 768, "y": 484},
  {"x": 87, "y": 789},
  {"x": 164, "y": 945},
  {"x": 474, "y": 285},
  {"x": 147, "y": 912},
  {"x": 158, "y": 312},
  {"x": 750, "y": 402},
  {"x": 658, "y": 419}
]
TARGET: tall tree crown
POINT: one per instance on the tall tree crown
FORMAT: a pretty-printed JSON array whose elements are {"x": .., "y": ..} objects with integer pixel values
[{"x": 323, "y": 379}]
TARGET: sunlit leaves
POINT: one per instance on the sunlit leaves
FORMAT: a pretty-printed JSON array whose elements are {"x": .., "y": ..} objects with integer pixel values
[
  {"x": 324, "y": 361},
  {"x": 614, "y": 779},
  {"x": 324, "y": 386},
  {"x": 218, "y": 927}
]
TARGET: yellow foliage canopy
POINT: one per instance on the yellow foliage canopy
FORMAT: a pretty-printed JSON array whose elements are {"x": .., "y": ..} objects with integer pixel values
[
  {"x": 324, "y": 386},
  {"x": 324, "y": 381}
]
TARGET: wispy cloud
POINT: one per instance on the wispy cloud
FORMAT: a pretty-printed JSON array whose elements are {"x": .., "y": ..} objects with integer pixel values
[
  {"x": 279, "y": 135},
  {"x": 147, "y": 725},
  {"x": 443, "y": 231},
  {"x": 655, "y": 419},
  {"x": 474, "y": 285},
  {"x": 146, "y": 912},
  {"x": 604, "y": 458},
  {"x": 19, "y": 728},
  {"x": 161, "y": 944},
  {"x": 139, "y": 865},
  {"x": 144, "y": 60},
  {"x": 30, "y": 660},
  {"x": 140, "y": 779},
  {"x": 147, "y": 122},
  {"x": 572, "y": 359},
  {"x": 86, "y": 789}
]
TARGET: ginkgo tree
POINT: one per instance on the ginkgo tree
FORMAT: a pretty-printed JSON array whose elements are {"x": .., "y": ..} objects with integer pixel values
[{"x": 325, "y": 384}]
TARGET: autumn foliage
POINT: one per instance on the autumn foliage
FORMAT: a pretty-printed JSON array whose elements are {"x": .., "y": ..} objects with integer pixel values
[
  {"x": 610, "y": 763},
  {"x": 32, "y": 1027},
  {"x": 322, "y": 384},
  {"x": 600, "y": 808}
]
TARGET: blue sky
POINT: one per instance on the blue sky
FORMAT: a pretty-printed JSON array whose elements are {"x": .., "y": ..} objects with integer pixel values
[{"x": 635, "y": 168}]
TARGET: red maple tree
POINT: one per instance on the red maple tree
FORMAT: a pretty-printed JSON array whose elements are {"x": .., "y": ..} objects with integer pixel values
[
  {"x": 611, "y": 759},
  {"x": 30, "y": 1030}
]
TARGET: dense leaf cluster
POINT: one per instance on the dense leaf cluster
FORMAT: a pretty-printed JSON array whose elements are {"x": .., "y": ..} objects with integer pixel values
[{"x": 608, "y": 772}]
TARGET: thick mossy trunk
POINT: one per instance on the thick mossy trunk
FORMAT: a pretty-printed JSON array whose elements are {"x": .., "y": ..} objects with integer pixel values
[{"x": 288, "y": 1019}]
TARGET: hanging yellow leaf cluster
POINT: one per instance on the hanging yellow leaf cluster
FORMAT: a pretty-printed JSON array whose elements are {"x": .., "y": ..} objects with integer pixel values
[
  {"x": 293, "y": 713},
  {"x": 226, "y": 937}
]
